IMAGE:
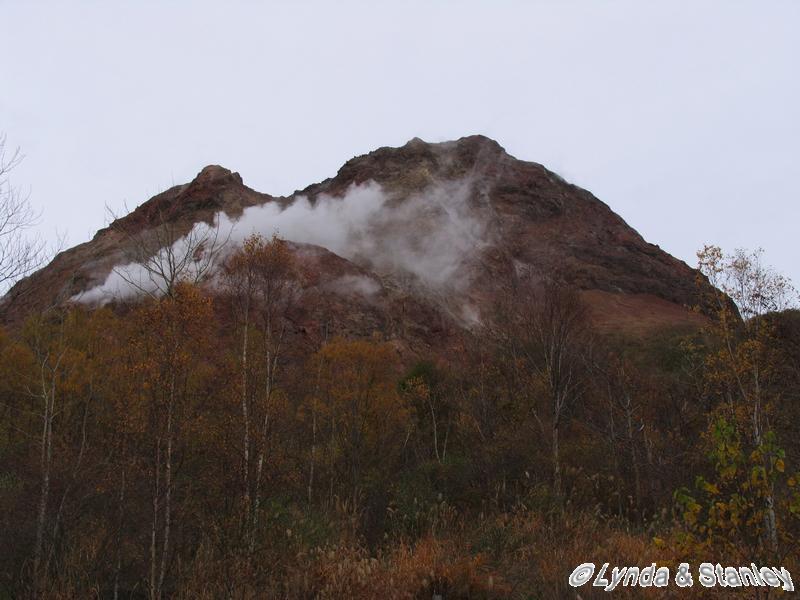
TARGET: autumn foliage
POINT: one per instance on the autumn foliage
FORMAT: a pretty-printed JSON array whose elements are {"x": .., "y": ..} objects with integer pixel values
[{"x": 199, "y": 445}]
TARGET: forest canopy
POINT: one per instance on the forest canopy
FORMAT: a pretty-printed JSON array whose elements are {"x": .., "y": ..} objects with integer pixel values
[{"x": 186, "y": 445}]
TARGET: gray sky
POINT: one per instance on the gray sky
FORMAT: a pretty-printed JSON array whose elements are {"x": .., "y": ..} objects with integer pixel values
[{"x": 683, "y": 116}]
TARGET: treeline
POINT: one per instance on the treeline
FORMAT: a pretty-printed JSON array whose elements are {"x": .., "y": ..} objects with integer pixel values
[{"x": 188, "y": 446}]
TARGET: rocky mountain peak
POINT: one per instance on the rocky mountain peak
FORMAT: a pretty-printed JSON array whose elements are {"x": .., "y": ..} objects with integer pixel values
[
  {"x": 216, "y": 174},
  {"x": 445, "y": 227}
]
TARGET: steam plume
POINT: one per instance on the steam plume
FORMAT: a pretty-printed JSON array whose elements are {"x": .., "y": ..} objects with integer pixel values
[{"x": 427, "y": 237}]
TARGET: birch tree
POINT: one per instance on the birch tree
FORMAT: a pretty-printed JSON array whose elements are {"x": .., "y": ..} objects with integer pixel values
[
  {"x": 166, "y": 253},
  {"x": 544, "y": 333},
  {"x": 262, "y": 280},
  {"x": 60, "y": 385},
  {"x": 166, "y": 348},
  {"x": 20, "y": 254},
  {"x": 740, "y": 368},
  {"x": 361, "y": 417}
]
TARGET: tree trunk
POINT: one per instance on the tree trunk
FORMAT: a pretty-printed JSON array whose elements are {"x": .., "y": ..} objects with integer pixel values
[
  {"x": 167, "y": 490},
  {"x": 120, "y": 521},
  {"x": 435, "y": 429},
  {"x": 245, "y": 418},
  {"x": 48, "y": 395},
  {"x": 634, "y": 455},
  {"x": 556, "y": 463},
  {"x": 154, "y": 592}
]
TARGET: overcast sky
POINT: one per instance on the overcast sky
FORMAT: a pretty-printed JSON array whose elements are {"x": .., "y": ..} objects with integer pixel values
[{"x": 683, "y": 116}]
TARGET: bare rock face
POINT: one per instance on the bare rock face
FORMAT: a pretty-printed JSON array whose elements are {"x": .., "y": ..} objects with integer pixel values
[{"x": 430, "y": 237}]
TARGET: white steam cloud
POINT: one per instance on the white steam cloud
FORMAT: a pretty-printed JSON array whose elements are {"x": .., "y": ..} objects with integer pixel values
[{"x": 427, "y": 237}]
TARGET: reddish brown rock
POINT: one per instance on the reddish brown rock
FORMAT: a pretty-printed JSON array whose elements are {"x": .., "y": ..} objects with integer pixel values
[{"x": 532, "y": 221}]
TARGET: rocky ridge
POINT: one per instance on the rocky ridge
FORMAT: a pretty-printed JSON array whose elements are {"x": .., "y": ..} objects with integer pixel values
[{"x": 523, "y": 219}]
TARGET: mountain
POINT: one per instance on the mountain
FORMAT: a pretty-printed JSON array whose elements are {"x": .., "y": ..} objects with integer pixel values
[{"x": 417, "y": 242}]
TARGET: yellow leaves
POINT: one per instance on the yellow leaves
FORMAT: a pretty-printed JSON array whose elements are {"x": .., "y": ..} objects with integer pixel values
[
  {"x": 16, "y": 365},
  {"x": 690, "y": 516},
  {"x": 357, "y": 401},
  {"x": 263, "y": 265},
  {"x": 417, "y": 388},
  {"x": 735, "y": 504},
  {"x": 173, "y": 327}
]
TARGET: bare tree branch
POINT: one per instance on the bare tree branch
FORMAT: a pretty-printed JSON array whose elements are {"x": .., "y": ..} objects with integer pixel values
[
  {"x": 20, "y": 254},
  {"x": 162, "y": 257}
]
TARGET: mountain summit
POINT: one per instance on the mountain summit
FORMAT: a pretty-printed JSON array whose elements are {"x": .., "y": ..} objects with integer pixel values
[{"x": 417, "y": 242}]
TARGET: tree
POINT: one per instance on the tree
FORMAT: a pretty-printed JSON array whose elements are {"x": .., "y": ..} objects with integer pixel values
[
  {"x": 545, "y": 334},
  {"x": 19, "y": 255},
  {"x": 359, "y": 411},
  {"x": 623, "y": 402},
  {"x": 424, "y": 386},
  {"x": 166, "y": 347},
  {"x": 58, "y": 380},
  {"x": 741, "y": 367},
  {"x": 262, "y": 280},
  {"x": 166, "y": 255}
]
